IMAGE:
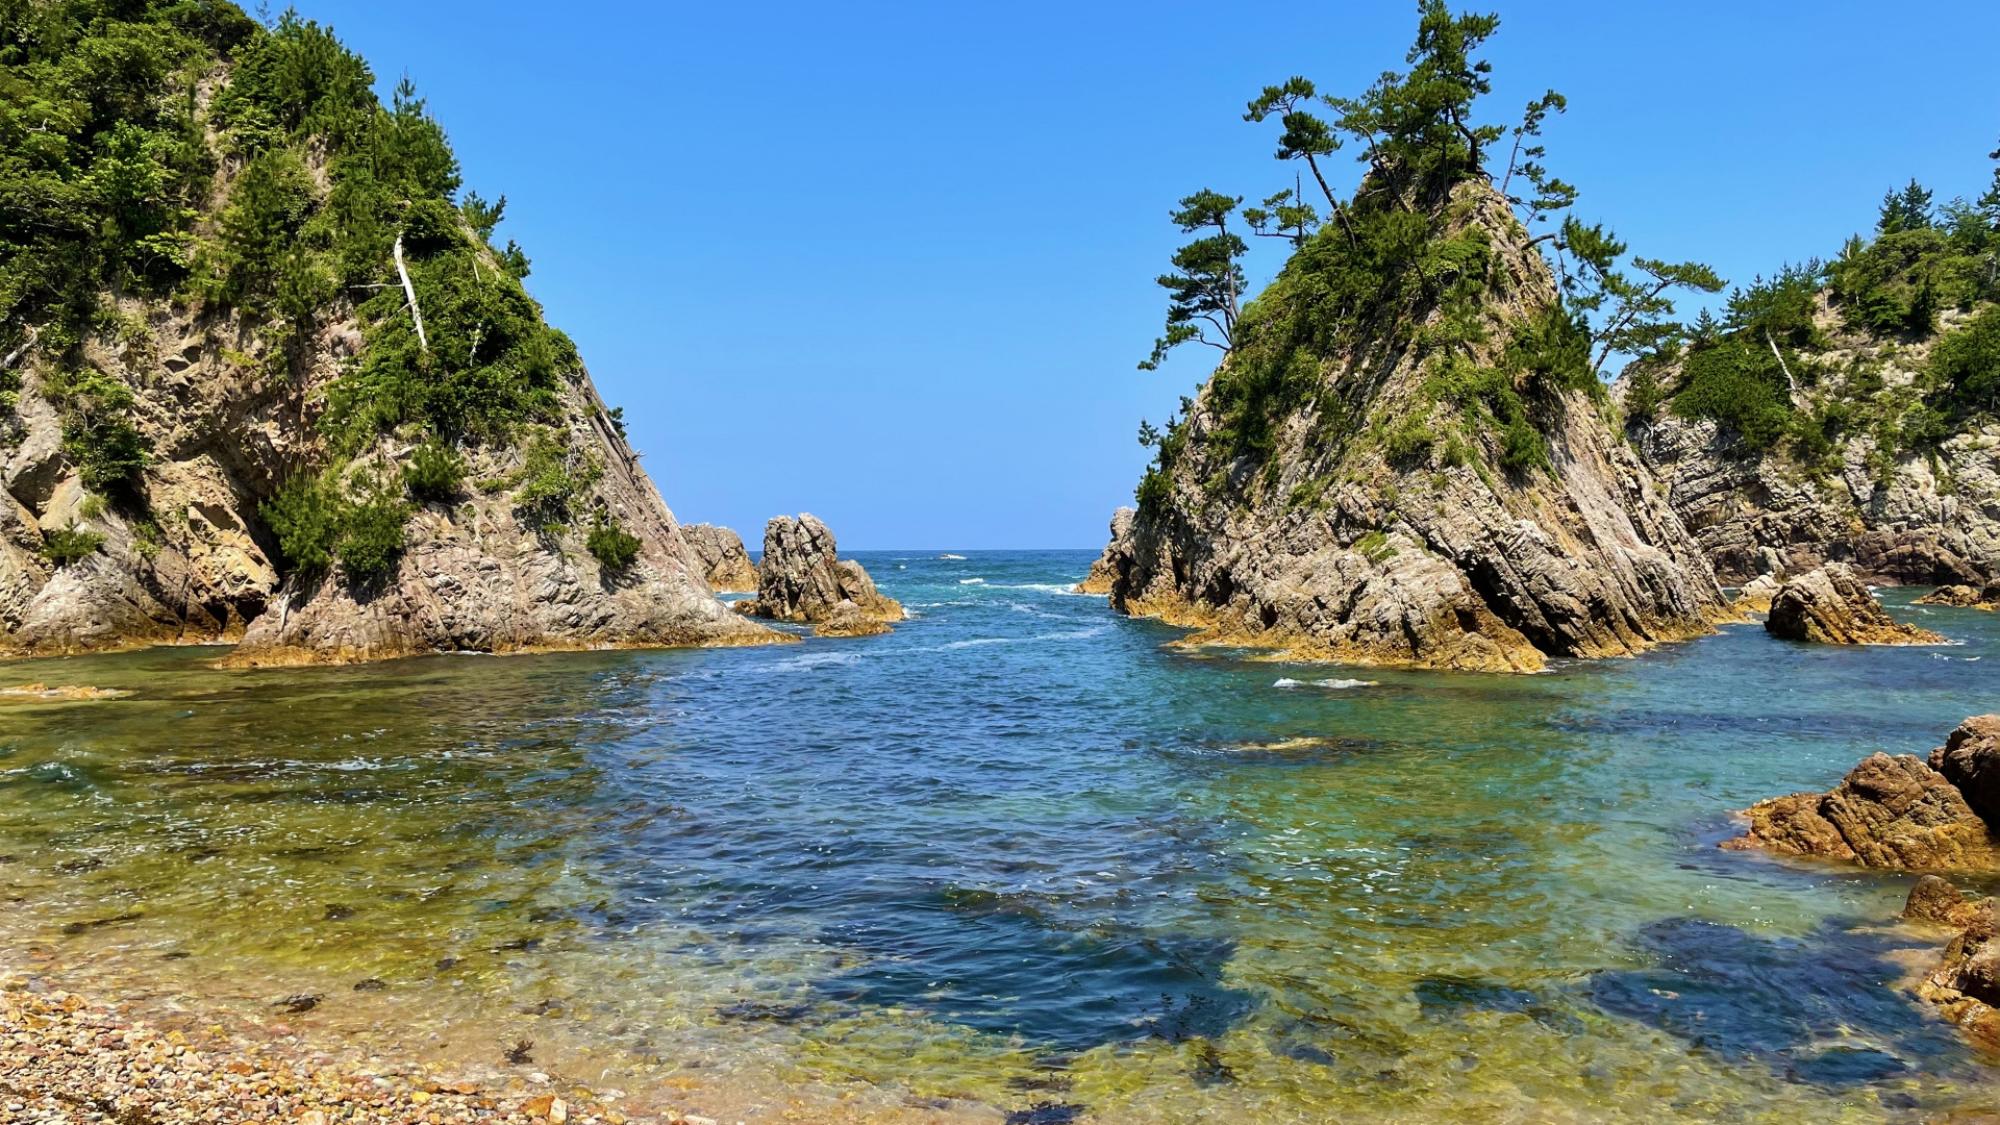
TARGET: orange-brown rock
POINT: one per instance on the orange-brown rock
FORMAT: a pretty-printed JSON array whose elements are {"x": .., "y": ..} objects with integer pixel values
[
  {"x": 1833, "y": 606},
  {"x": 1893, "y": 812}
]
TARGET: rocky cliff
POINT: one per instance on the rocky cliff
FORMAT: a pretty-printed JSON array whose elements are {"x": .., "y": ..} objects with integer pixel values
[
  {"x": 288, "y": 392},
  {"x": 1421, "y": 484},
  {"x": 1855, "y": 490}
]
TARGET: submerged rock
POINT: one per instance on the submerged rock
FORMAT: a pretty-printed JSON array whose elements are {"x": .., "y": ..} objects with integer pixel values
[
  {"x": 724, "y": 562},
  {"x": 1894, "y": 812},
  {"x": 1965, "y": 985},
  {"x": 802, "y": 580},
  {"x": 1335, "y": 492},
  {"x": 1935, "y": 902},
  {"x": 1833, "y": 606}
]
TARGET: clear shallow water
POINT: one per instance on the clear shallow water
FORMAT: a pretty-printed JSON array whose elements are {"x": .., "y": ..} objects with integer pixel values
[{"x": 1016, "y": 854}]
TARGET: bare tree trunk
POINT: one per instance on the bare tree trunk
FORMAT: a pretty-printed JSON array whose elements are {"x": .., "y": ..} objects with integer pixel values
[
  {"x": 14, "y": 356},
  {"x": 410, "y": 292},
  {"x": 1784, "y": 367}
]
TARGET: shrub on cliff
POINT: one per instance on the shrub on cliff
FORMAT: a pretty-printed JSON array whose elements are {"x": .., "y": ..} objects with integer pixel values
[
  {"x": 611, "y": 544},
  {"x": 62, "y": 546}
]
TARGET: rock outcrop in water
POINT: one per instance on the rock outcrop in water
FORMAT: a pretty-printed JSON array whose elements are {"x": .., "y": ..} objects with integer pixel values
[
  {"x": 1103, "y": 574},
  {"x": 803, "y": 580},
  {"x": 1899, "y": 812},
  {"x": 308, "y": 405},
  {"x": 1964, "y": 597},
  {"x": 1832, "y": 606},
  {"x": 723, "y": 560},
  {"x": 1367, "y": 502}
]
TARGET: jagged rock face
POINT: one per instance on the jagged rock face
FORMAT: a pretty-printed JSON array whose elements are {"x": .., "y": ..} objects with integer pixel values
[
  {"x": 1970, "y": 759},
  {"x": 1332, "y": 549},
  {"x": 1833, "y": 606},
  {"x": 802, "y": 579},
  {"x": 187, "y": 557},
  {"x": 1924, "y": 521},
  {"x": 1894, "y": 812},
  {"x": 1104, "y": 571},
  {"x": 723, "y": 560},
  {"x": 480, "y": 575}
]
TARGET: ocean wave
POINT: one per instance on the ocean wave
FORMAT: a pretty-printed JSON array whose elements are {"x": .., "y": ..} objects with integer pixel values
[
  {"x": 1057, "y": 588},
  {"x": 1065, "y": 635},
  {"x": 953, "y": 558},
  {"x": 972, "y": 581},
  {"x": 1332, "y": 685},
  {"x": 807, "y": 660}
]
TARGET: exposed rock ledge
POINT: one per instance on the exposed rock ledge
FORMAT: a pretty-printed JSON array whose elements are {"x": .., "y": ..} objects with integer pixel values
[
  {"x": 802, "y": 579},
  {"x": 723, "y": 560},
  {"x": 1833, "y": 606},
  {"x": 1964, "y": 597},
  {"x": 1898, "y": 812}
]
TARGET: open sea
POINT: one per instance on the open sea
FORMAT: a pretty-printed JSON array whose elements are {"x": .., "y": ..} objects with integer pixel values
[{"x": 1015, "y": 862}]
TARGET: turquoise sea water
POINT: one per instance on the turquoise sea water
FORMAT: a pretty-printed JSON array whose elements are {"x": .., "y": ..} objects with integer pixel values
[{"x": 1017, "y": 858}]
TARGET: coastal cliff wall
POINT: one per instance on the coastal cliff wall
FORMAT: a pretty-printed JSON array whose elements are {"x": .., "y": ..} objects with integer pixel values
[{"x": 273, "y": 382}]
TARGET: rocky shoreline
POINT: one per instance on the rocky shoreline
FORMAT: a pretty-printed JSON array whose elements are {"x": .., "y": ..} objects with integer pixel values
[{"x": 67, "y": 1058}]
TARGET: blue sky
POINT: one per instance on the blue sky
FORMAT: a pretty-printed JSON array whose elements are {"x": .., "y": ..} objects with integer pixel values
[{"x": 891, "y": 263}]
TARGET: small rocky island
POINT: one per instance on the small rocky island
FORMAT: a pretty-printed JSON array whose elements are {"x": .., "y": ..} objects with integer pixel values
[{"x": 803, "y": 580}]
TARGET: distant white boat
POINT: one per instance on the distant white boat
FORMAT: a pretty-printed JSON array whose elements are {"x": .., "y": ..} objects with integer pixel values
[{"x": 955, "y": 558}]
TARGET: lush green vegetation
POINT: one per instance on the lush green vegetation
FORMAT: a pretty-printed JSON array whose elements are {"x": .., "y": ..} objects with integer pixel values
[
  {"x": 1756, "y": 369},
  {"x": 1401, "y": 270},
  {"x": 62, "y": 546},
  {"x": 335, "y": 205},
  {"x": 613, "y": 547}
]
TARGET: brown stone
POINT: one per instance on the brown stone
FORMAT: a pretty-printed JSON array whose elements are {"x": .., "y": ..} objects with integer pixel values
[
  {"x": 1833, "y": 606},
  {"x": 1935, "y": 902},
  {"x": 1892, "y": 812},
  {"x": 1964, "y": 597}
]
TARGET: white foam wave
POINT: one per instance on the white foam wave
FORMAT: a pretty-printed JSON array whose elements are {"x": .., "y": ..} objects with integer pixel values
[
  {"x": 972, "y": 581},
  {"x": 953, "y": 558},
  {"x": 1057, "y": 588},
  {"x": 1065, "y": 635},
  {"x": 1332, "y": 685}
]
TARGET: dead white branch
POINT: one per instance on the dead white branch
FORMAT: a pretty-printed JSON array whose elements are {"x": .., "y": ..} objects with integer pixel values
[
  {"x": 14, "y": 356},
  {"x": 1784, "y": 367},
  {"x": 410, "y": 293}
]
